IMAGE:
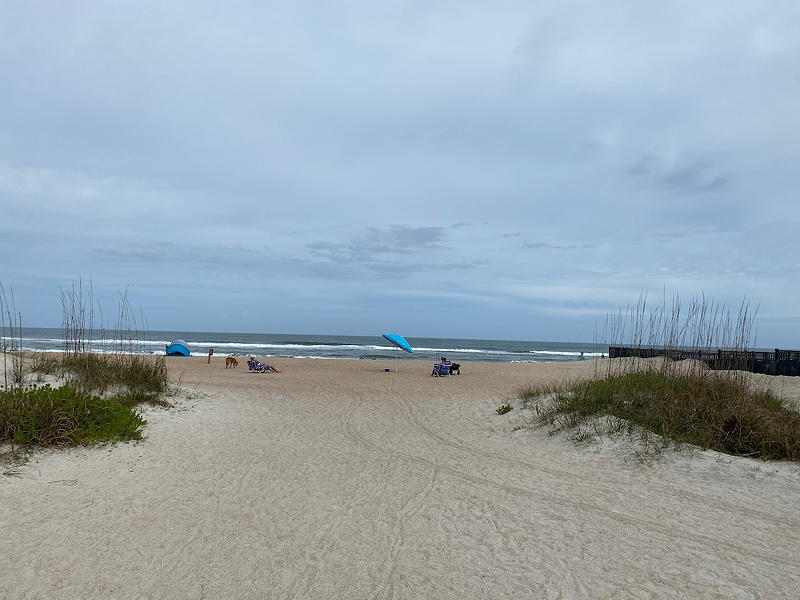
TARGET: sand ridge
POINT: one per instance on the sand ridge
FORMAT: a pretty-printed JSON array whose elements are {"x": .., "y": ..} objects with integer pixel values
[{"x": 335, "y": 479}]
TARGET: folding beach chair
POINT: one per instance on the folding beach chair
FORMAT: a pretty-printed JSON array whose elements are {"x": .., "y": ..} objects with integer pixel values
[
  {"x": 254, "y": 367},
  {"x": 441, "y": 369}
]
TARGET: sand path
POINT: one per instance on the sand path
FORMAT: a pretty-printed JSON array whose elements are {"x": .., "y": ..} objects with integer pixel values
[{"x": 334, "y": 479}]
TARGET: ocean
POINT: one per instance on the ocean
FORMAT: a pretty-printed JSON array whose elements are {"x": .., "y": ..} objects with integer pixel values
[{"x": 320, "y": 346}]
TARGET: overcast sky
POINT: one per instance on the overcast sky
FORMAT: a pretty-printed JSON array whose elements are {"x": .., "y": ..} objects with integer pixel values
[{"x": 506, "y": 170}]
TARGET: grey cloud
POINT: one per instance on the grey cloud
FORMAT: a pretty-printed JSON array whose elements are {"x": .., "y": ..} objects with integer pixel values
[
  {"x": 681, "y": 176},
  {"x": 158, "y": 252},
  {"x": 540, "y": 245},
  {"x": 395, "y": 239},
  {"x": 404, "y": 237},
  {"x": 396, "y": 251}
]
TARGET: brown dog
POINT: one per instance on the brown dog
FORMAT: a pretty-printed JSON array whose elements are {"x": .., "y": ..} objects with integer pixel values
[{"x": 230, "y": 361}]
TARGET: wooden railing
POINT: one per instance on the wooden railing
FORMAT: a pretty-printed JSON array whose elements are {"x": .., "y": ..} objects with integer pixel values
[{"x": 777, "y": 362}]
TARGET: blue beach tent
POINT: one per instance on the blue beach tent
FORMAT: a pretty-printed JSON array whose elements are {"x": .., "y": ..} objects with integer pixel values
[{"x": 178, "y": 348}]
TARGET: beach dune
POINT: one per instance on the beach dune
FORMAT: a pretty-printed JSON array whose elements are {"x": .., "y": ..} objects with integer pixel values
[{"x": 335, "y": 479}]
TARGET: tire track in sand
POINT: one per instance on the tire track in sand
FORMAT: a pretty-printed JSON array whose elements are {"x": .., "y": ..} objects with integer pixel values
[
  {"x": 564, "y": 502},
  {"x": 570, "y": 477},
  {"x": 321, "y": 545},
  {"x": 386, "y": 582},
  {"x": 410, "y": 508}
]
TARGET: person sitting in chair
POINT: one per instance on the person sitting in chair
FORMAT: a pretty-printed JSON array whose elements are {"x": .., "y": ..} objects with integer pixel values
[
  {"x": 443, "y": 362},
  {"x": 264, "y": 366},
  {"x": 454, "y": 367}
]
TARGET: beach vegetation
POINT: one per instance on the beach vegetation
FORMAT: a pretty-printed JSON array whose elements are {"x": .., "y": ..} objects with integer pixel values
[
  {"x": 98, "y": 380},
  {"x": 11, "y": 339},
  {"x": 46, "y": 416},
  {"x": 716, "y": 412},
  {"x": 659, "y": 402},
  {"x": 45, "y": 363},
  {"x": 504, "y": 408},
  {"x": 145, "y": 376},
  {"x": 99, "y": 360}
]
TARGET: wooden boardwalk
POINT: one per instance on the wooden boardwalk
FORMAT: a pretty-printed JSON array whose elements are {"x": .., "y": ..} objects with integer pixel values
[{"x": 777, "y": 362}]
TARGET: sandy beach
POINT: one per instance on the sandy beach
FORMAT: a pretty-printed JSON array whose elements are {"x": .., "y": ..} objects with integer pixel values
[{"x": 334, "y": 479}]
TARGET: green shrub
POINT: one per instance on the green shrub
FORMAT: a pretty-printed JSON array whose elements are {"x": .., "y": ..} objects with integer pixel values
[
  {"x": 503, "y": 409},
  {"x": 64, "y": 416},
  {"x": 75, "y": 413},
  {"x": 135, "y": 398},
  {"x": 714, "y": 411}
]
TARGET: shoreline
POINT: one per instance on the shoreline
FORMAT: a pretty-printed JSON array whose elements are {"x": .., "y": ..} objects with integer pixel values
[{"x": 319, "y": 346}]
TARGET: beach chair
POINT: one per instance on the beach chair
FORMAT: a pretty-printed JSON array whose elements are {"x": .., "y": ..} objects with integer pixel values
[
  {"x": 441, "y": 369},
  {"x": 254, "y": 367}
]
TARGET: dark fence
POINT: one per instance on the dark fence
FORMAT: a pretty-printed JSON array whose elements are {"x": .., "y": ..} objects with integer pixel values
[{"x": 779, "y": 362}]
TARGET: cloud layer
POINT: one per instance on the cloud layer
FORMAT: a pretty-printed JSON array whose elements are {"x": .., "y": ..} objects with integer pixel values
[{"x": 442, "y": 169}]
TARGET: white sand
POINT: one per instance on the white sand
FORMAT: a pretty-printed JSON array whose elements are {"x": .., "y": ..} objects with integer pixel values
[{"x": 334, "y": 479}]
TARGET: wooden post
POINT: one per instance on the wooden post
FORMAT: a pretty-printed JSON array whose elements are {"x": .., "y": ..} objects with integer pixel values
[{"x": 210, "y": 352}]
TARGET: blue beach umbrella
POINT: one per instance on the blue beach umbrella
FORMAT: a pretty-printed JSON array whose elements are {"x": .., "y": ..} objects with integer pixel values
[{"x": 400, "y": 342}]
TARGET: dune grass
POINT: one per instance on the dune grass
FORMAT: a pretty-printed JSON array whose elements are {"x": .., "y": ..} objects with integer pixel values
[
  {"x": 717, "y": 412},
  {"x": 123, "y": 376},
  {"x": 47, "y": 416},
  {"x": 112, "y": 365},
  {"x": 143, "y": 375},
  {"x": 680, "y": 402},
  {"x": 98, "y": 403},
  {"x": 101, "y": 391},
  {"x": 45, "y": 363}
]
